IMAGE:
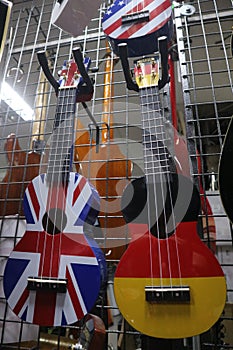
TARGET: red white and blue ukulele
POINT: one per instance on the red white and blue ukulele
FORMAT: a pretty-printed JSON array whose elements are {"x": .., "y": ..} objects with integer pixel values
[
  {"x": 168, "y": 284},
  {"x": 138, "y": 23},
  {"x": 54, "y": 274}
]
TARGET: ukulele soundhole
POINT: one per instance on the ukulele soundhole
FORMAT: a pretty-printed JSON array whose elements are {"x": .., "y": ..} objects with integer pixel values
[
  {"x": 54, "y": 221},
  {"x": 146, "y": 203}
]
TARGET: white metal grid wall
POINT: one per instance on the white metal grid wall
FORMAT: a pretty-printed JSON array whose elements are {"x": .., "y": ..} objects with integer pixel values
[{"x": 204, "y": 106}]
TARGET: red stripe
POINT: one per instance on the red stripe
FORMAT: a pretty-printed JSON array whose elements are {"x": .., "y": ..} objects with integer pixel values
[
  {"x": 78, "y": 189},
  {"x": 74, "y": 297},
  {"x": 45, "y": 305},
  {"x": 140, "y": 6},
  {"x": 133, "y": 29},
  {"x": 118, "y": 23},
  {"x": 188, "y": 256},
  {"x": 21, "y": 302},
  {"x": 56, "y": 197},
  {"x": 49, "y": 246},
  {"x": 34, "y": 200}
]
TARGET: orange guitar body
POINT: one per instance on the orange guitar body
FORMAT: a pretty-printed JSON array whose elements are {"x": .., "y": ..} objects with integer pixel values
[
  {"x": 23, "y": 167},
  {"x": 108, "y": 170}
]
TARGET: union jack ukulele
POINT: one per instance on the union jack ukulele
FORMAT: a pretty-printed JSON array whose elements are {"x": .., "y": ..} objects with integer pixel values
[
  {"x": 54, "y": 274},
  {"x": 168, "y": 284},
  {"x": 138, "y": 23}
]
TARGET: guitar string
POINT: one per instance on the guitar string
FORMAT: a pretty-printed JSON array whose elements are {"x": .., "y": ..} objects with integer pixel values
[
  {"x": 147, "y": 167},
  {"x": 57, "y": 173},
  {"x": 170, "y": 192},
  {"x": 148, "y": 174},
  {"x": 164, "y": 181},
  {"x": 159, "y": 173},
  {"x": 67, "y": 137},
  {"x": 174, "y": 226},
  {"x": 167, "y": 179},
  {"x": 55, "y": 176},
  {"x": 157, "y": 165},
  {"x": 53, "y": 167},
  {"x": 50, "y": 180},
  {"x": 171, "y": 223},
  {"x": 65, "y": 142}
]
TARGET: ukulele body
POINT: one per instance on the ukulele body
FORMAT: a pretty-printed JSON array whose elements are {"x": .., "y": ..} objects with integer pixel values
[
  {"x": 178, "y": 260},
  {"x": 54, "y": 250},
  {"x": 225, "y": 177},
  {"x": 139, "y": 24}
]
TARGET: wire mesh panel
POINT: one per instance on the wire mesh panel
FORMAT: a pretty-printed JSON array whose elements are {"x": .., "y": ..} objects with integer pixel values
[
  {"x": 108, "y": 147},
  {"x": 204, "y": 30}
]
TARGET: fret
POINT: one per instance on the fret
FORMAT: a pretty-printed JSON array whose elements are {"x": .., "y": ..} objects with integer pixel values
[
  {"x": 160, "y": 142},
  {"x": 159, "y": 171}
]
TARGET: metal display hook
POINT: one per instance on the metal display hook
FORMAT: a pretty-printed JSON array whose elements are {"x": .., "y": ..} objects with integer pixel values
[{"x": 85, "y": 90}]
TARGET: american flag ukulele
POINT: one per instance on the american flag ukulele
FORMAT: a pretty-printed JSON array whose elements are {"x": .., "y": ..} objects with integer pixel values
[
  {"x": 54, "y": 274},
  {"x": 139, "y": 23}
]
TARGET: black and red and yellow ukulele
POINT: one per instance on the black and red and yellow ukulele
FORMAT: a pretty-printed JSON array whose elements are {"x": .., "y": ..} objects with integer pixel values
[
  {"x": 54, "y": 274},
  {"x": 168, "y": 284}
]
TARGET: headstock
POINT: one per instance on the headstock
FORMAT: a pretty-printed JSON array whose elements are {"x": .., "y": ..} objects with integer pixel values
[
  {"x": 146, "y": 71},
  {"x": 70, "y": 74},
  {"x": 73, "y": 74}
]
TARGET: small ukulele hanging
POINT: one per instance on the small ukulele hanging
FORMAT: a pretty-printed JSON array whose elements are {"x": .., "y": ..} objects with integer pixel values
[
  {"x": 138, "y": 23},
  {"x": 54, "y": 274},
  {"x": 168, "y": 284}
]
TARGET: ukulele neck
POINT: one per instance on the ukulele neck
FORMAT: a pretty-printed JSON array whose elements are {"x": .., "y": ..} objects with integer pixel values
[
  {"x": 155, "y": 140},
  {"x": 60, "y": 156}
]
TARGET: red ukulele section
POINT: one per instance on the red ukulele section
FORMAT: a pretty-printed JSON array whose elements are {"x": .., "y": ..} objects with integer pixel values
[{"x": 169, "y": 288}]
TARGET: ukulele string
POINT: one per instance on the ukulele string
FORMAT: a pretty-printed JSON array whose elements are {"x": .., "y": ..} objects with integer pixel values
[
  {"x": 159, "y": 175},
  {"x": 66, "y": 129},
  {"x": 168, "y": 195},
  {"x": 171, "y": 222},
  {"x": 51, "y": 179},
  {"x": 59, "y": 161},
  {"x": 56, "y": 159},
  {"x": 148, "y": 174},
  {"x": 149, "y": 156}
]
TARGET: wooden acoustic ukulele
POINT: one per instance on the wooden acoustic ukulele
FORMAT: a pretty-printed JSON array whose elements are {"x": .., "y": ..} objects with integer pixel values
[
  {"x": 168, "y": 284},
  {"x": 107, "y": 168}
]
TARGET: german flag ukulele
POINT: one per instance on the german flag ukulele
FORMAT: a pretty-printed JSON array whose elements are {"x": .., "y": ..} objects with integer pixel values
[
  {"x": 168, "y": 284},
  {"x": 53, "y": 275}
]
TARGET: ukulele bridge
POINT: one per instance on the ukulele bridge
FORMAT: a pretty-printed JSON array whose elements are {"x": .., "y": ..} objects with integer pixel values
[
  {"x": 167, "y": 294},
  {"x": 136, "y": 17},
  {"x": 58, "y": 285}
]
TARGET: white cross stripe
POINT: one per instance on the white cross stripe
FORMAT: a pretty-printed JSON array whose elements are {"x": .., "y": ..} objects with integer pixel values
[
  {"x": 152, "y": 24},
  {"x": 108, "y": 22},
  {"x": 31, "y": 270},
  {"x": 121, "y": 29}
]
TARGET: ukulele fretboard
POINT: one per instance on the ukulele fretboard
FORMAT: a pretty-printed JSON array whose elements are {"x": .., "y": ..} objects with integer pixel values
[
  {"x": 59, "y": 163},
  {"x": 155, "y": 139}
]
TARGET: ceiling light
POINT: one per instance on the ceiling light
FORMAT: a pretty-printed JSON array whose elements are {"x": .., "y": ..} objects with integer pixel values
[{"x": 15, "y": 102}]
